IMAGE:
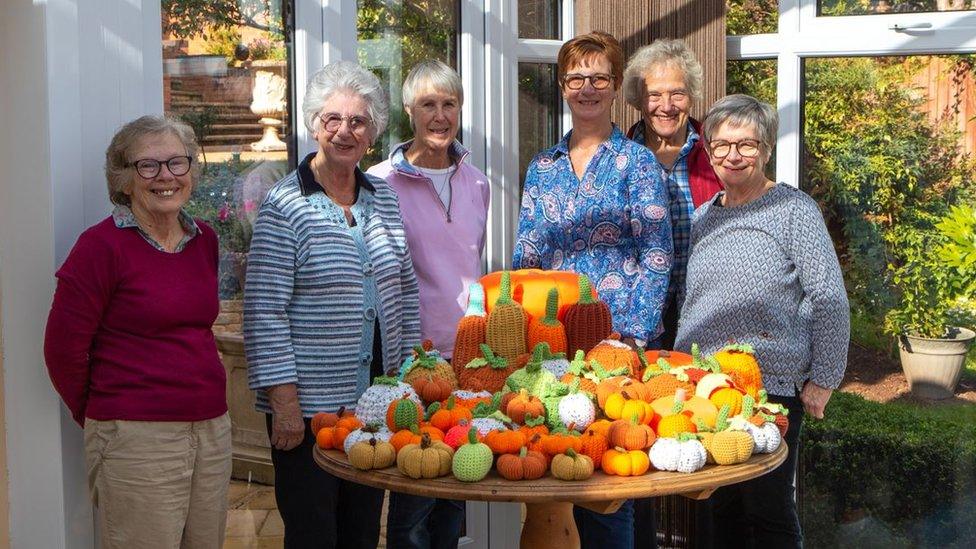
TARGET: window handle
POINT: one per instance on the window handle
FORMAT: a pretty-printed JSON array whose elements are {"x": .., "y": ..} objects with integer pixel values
[{"x": 915, "y": 26}]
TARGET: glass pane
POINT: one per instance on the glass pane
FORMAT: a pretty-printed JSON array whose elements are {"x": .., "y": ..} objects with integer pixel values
[
  {"x": 395, "y": 36},
  {"x": 755, "y": 77},
  {"x": 751, "y": 16},
  {"x": 540, "y": 106},
  {"x": 866, "y": 7},
  {"x": 539, "y": 19},
  {"x": 226, "y": 72},
  {"x": 888, "y": 152}
]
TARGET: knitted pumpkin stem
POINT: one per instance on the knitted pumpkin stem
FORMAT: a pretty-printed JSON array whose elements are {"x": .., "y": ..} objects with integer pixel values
[
  {"x": 505, "y": 290},
  {"x": 476, "y": 300},
  {"x": 585, "y": 291},
  {"x": 523, "y": 452},
  {"x": 552, "y": 308}
]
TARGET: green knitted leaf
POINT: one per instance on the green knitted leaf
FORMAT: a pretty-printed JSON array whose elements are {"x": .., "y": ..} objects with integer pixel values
[
  {"x": 577, "y": 366},
  {"x": 385, "y": 380},
  {"x": 433, "y": 408},
  {"x": 534, "y": 421},
  {"x": 739, "y": 347},
  {"x": 482, "y": 409}
]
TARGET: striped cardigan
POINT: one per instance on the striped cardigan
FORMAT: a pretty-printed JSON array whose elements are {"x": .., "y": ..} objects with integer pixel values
[{"x": 306, "y": 296}]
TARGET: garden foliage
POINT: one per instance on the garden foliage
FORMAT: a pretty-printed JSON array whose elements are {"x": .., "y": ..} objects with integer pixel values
[{"x": 914, "y": 471}]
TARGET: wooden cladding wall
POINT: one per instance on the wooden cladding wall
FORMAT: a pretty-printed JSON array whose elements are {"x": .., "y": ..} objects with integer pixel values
[{"x": 700, "y": 23}]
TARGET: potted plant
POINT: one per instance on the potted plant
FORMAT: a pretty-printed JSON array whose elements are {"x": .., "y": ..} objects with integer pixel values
[{"x": 934, "y": 319}]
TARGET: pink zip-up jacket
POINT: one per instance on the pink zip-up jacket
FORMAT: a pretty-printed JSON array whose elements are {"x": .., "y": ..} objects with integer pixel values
[{"x": 445, "y": 243}]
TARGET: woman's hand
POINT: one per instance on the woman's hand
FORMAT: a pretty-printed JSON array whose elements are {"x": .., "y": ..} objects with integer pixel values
[
  {"x": 287, "y": 425},
  {"x": 815, "y": 399}
]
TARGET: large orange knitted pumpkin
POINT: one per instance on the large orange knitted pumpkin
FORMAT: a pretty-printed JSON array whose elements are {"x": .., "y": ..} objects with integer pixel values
[{"x": 535, "y": 284}]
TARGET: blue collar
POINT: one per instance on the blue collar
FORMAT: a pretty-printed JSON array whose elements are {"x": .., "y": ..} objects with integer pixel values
[
  {"x": 306, "y": 180},
  {"x": 615, "y": 142}
]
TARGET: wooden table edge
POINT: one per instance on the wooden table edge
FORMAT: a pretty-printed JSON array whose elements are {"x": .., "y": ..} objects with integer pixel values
[{"x": 600, "y": 491}]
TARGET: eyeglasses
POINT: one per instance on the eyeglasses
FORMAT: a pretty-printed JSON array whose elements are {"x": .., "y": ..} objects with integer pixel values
[
  {"x": 149, "y": 168},
  {"x": 357, "y": 124},
  {"x": 655, "y": 97},
  {"x": 747, "y": 148},
  {"x": 599, "y": 81}
]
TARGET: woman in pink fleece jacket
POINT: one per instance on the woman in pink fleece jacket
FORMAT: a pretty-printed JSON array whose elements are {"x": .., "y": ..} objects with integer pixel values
[{"x": 444, "y": 205}]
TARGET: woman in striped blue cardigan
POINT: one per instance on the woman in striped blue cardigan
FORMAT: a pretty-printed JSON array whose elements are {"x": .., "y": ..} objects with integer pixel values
[{"x": 330, "y": 301}]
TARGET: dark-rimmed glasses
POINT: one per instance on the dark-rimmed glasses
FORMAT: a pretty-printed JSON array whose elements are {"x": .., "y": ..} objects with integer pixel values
[
  {"x": 599, "y": 81},
  {"x": 149, "y": 168},
  {"x": 357, "y": 124},
  {"x": 747, "y": 148}
]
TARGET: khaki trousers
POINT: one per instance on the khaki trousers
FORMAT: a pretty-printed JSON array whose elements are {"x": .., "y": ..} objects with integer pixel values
[{"x": 159, "y": 484}]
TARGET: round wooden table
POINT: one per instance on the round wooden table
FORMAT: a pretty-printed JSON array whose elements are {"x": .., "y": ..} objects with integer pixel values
[{"x": 549, "y": 501}]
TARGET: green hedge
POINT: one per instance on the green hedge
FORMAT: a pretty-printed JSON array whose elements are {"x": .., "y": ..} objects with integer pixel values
[{"x": 908, "y": 469}]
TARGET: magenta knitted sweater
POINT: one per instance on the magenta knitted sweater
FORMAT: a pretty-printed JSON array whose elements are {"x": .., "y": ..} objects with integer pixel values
[{"x": 128, "y": 336}]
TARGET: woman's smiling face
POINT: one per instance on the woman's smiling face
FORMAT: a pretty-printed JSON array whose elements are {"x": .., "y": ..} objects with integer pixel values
[{"x": 589, "y": 104}]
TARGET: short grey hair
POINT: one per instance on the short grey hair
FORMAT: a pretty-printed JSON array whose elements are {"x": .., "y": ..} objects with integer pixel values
[
  {"x": 129, "y": 137},
  {"x": 740, "y": 110},
  {"x": 661, "y": 52},
  {"x": 348, "y": 77},
  {"x": 435, "y": 74}
]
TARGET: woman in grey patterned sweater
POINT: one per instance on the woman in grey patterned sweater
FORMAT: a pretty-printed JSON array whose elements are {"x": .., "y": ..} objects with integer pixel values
[{"x": 763, "y": 271}]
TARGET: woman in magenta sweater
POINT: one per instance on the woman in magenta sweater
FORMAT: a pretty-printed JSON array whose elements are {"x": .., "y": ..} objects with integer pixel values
[{"x": 130, "y": 350}]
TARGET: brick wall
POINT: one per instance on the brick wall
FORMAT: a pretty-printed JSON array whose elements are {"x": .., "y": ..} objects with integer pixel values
[{"x": 230, "y": 317}]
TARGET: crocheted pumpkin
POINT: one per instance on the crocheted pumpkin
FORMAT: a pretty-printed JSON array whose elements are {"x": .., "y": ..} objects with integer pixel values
[
  {"x": 548, "y": 328},
  {"x": 765, "y": 434},
  {"x": 779, "y": 412},
  {"x": 472, "y": 460},
  {"x": 534, "y": 426},
  {"x": 373, "y": 431},
  {"x": 402, "y": 413},
  {"x": 471, "y": 330},
  {"x": 559, "y": 440},
  {"x": 594, "y": 443},
  {"x": 728, "y": 396},
  {"x": 447, "y": 415},
  {"x": 506, "y": 324},
  {"x": 428, "y": 459},
  {"x": 571, "y": 466},
  {"x": 486, "y": 374},
  {"x": 329, "y": 419},
  {"x": 557, "y": 364},
  {"x": 455, "y": 436},
  {"x": 372, "y": 405},
  {"x": 699, "y": 408},
  {"x": 677, "y": 422},
  {"x": 726, "y": 446},
  {"x": 712, "y": 382},
  {"x": 684, "y": 455},
  {"x": 533, "y": 378},
  {"x": 430, "y": 375},
  {"x": 576, "y": 408},
  {"x": 738, "y": 361},
  {"x": 413, "y": 435},
  {"x": 612, "y": 354},
  {"x": 625, "y": 463},
  {"x": 524, "y": 465},
  {"x": 620, "y": 405},
  {"x": 329, "y": 438},
  {"x": 372, "y": 454},
  {"x": 469, "y": 399},
  {"x": 504, "y": 441},
  {"x": 660, "y": 381},
  {"x": 524, "y": 404},
  {"x": 629, "y": 434},
  {"x": 588, "y": 322}
]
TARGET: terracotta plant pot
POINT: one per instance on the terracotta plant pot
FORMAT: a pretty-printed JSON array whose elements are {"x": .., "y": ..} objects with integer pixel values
[{"x": 933, "y": 366}]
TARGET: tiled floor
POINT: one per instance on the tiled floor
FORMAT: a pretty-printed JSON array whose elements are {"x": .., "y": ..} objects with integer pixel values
[{"x": 253, "y": 521}]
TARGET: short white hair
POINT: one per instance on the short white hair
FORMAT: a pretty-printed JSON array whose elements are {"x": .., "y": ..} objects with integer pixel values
[
  {"x": 663, "y": 52},
  {"x": 432, "y": 74},
  {"x": 740, "y": 110},
  {"x": 348, "y": 77}
]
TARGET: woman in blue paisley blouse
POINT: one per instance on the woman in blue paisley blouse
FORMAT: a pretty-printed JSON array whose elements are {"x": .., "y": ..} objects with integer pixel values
[{"x": 595, "y": 204}]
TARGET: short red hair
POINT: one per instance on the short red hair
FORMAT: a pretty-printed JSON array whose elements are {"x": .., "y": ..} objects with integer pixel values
[{"x": 585, "y": 47}]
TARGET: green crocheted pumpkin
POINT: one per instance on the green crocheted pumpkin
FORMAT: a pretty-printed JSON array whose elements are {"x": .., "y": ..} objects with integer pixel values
[{"x": 473, "y": 460}]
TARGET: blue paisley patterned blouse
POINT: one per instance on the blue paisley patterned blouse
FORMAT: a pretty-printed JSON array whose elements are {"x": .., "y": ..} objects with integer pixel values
[{"x": 613, "y": 226}]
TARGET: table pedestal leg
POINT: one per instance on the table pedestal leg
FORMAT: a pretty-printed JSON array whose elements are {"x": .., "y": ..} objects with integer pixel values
[{"x": 549, "y": 525}]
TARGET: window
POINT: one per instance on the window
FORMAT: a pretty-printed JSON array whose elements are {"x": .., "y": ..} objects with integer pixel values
[
  {"x": 392, "y": 38},
  {"x": 540, "y": 106},
  {"x": 227, "y": 73},
  {"x": 863, "y": 7},
  {"x": 539, "y": 19}
]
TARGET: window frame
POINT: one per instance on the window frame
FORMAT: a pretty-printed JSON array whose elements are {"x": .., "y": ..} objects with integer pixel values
[{"x": 802, "y": 34}]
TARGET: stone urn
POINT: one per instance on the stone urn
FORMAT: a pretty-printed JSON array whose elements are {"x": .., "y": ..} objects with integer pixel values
[
  {"x": 933, "y": 366},
  {"x": 249, "y": 435},
  {"x": 268, "y": 102}
]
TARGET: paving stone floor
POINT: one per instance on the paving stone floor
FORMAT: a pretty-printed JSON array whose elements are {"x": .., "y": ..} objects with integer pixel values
[{"x": 253, "y": 521}]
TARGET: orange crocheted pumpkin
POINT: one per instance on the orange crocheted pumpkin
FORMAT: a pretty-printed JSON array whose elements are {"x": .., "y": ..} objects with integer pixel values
[
  {"x": 738, "y": 361},
  {"x": 594, "y": 443},
  {"x": 548, "y": 328},
  {"x": 613, "y": 354}
]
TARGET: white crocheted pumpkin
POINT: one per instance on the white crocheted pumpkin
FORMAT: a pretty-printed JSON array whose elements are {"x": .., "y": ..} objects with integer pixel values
[
  {"x": 365, "y": 434},
  {"x": 683, "y": 456},
  {"x": 371, "y": 407},
  {"x": 576, "y": 409}
]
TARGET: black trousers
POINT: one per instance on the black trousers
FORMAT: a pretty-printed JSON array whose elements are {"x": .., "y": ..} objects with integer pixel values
[
  {"x": 760, "y": 512},
  {"x": 321, "y": 511}
]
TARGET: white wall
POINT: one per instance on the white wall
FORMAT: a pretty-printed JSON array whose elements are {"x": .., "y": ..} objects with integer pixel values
[
  {"x": 71, "y": 73},
  {"x": 32, "y": 412}
]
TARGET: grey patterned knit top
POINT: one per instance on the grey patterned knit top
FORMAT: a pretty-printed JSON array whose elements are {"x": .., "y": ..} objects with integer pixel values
[{"x": 766, "y": 273}]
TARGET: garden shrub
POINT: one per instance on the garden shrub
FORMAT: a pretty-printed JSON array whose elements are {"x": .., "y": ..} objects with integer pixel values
[{"x": 906, "y": 466}]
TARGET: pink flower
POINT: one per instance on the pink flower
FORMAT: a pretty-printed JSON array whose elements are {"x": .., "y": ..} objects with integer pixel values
[
  {"x": 224, "y": 213},
  {"x": 250, "y": 205}
]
